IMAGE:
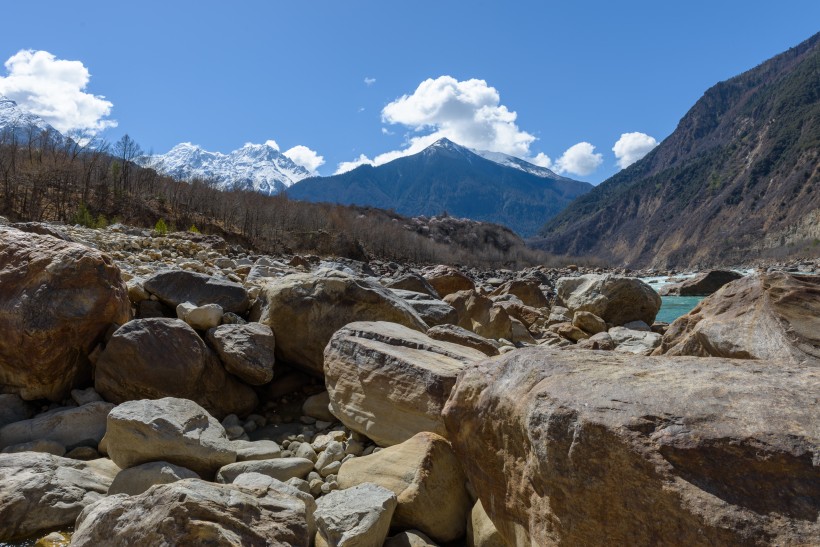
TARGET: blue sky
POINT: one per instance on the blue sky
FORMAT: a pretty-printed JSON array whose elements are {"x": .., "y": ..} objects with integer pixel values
[{"x": 222, "y": 74}]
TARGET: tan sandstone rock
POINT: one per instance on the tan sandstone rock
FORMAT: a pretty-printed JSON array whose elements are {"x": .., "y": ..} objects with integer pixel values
[
  {"x": 428, "y": 482},
  {"x": 480, "y": 315},
  {"x": 390, "y": 382},
  {"x": 594, "y": 448},
  {"x": 764, "y": 316},
  {"x": 615, "y": 299}
]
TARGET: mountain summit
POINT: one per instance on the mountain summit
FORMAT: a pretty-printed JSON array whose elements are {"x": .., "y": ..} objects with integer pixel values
[
  {"x": 258, "y": 167},
  {"x": 449, "y": 177},
  {"x": 738, "y": 179},
  {"x": 22, "y": 125}
]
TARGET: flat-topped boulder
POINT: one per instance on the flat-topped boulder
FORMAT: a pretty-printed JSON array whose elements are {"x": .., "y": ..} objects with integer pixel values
[
  {"x": 175, "y": 287},
  {"x": 177, "y": 431},
  {"x": 411, "y": 281},
  {"x": 304, "y": 310},
  {"x": 597, "y": 448},
  {"x": 774, "y": 316},
  {"x": 193, "y": 512},
  {"x": 390, "y": 382},
  {"x": 57, "y": 301},
  {"x": 702, "y": 284},
  {"x": 615, "y": 299},
  {"x": 432, "y": 310},
  {"x": 160, "y": 357},
  {"x": 463, "y": 337}
]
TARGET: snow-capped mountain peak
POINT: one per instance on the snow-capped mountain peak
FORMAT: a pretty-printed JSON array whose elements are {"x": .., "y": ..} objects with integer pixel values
[
  {"x": 258, "y": 167},
  {"x": 15, "y": 119}
]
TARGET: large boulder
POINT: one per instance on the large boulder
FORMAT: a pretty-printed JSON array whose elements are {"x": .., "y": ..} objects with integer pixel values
[
  {"x": 597, "y": 448},
  {"x": 480, "y": 315},
  {"x": 177, "y": 431},
  {"x": 447, "y": 280},
  {"x": 766, "y": 316},
  {"x": 57, "y": 301},
  {"x": 159, "y": 357},
  {"x": 194, "y": 512},
  {"x": 529, "y": 292},
  {"x": 702, "y": 284},
  {"x": 615, "y": 299},
  {"x": 175, "y": 287},
  {"x": 355, "y": 517},
  {"x": 40, "y": 492},
  {"x": 390, "y": 382},
  {"x": 71, "y": 426},
  {"x": 280, "y": 469},
  {"x": 432, "y": 310},
  {"x": 304, "y": 310},
  {"x": 247, "y": 351},
  {"x": 14, "y": 409},
  {"x": 427, "y": 479},
  {"x": 634, "y": 341}
]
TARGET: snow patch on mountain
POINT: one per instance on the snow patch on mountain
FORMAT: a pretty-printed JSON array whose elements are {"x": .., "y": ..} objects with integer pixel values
[
  {"x": 15, "y": 120},
  {"x": 517, "y": 163},
  {"x": 258, "y": 167}
]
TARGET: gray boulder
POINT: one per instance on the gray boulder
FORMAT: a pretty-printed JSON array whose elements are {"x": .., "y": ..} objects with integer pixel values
[
  {"x": 174, "y": 287},
  {"x": 280, "y": 469},
  {"x": 247, "y": 351},
  {"x": 174, "y": 430},
  {"x": 358, "y": 516},
  {"x": 70, "y": 426},
  {"x": 136, "y": 480},
  {"x": 615, "y": 299}
]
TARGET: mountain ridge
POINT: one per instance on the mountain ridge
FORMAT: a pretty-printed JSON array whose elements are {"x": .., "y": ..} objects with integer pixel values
[
  {"x": 447, "y": 177},
  {"x": 742, "y": 163}
]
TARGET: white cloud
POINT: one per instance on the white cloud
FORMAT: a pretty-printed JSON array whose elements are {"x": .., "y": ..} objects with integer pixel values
[
  {"x": 467, "y": 112},
  {"x": 631, "y": 147},
  {"x": 346, "y": 166},
  {"x": 579, "y": 159},
  {"x": 273, "y": 144},
  {"x": 304, "y": 156},
  {"x": 54, "y": 89},
  {"x": 369, "y": 81},
  {"x": 541, "y": 160}
]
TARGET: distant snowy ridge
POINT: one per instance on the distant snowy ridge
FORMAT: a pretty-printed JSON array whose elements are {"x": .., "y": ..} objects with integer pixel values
[
  {"x": 258, "y": 167},
  {"x": 517, "y": 163},
  {"x": 14, "y": 119}
]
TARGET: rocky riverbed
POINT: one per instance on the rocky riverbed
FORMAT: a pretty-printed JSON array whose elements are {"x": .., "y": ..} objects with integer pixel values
[{"x": 176, "y": 389}]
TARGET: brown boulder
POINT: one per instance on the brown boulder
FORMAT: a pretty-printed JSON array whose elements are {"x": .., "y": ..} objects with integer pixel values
[
  {"x": 412, "y": 281},
  {"x": 158, "y": 357},
  {"x": 304, "y": 310},
  {"x": 596, "y": 448},
  {"x": 764, "y": 316},
  {"x": 480, "y": 315},
  {"x": 447, "y": 280},
  {"x": 58, "y": 299},
  {"x": 529, "y": 292}
]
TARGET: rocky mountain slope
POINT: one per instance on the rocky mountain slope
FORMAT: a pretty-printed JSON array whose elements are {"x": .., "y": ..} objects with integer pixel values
[
  {"x": 449, "y": 177},
  {"x": 258, "y": 167},
  {"x": 736, "y": 180}
]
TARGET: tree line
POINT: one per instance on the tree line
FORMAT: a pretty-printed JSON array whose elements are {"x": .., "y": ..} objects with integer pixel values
[{"x": 47, "y": 177}]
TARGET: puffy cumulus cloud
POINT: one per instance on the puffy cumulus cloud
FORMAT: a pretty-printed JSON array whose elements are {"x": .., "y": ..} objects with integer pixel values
[
  {"x": 633, "y": 146},
  {"x": 304, "y": 156},
  {"x": 579, "y": 159},
  {"x": 467, "y": 112},
  {"x": 273, "y": 144},
  {"x": 54, "y": 89},
  {"x": 346, "y": 166}
]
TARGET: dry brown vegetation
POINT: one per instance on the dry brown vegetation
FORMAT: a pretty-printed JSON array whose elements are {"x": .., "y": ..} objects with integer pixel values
[{"x": 45, "y": 178}]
